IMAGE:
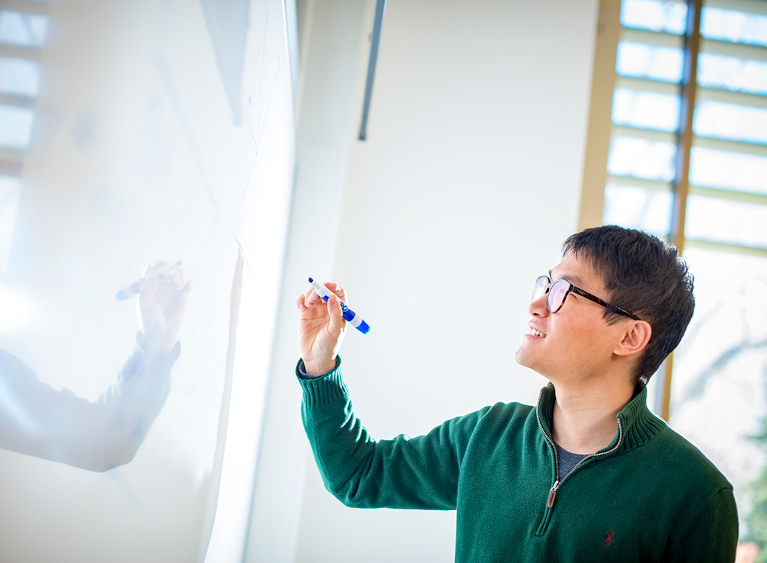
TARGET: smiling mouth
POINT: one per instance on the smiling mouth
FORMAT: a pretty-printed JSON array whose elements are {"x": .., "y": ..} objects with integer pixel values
[{"x": 536, "y": 333}]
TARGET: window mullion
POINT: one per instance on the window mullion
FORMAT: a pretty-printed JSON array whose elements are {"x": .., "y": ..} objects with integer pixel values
[{"x": 684, "y": 145}]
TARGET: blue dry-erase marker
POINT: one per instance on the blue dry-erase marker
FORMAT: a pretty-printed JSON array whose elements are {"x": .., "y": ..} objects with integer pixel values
[
  {"x": 354, "y": 319},
  {"x": 135, "y": 287}
]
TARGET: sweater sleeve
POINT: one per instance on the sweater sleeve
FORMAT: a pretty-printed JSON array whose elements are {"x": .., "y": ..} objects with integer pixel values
[
  {"x": 362, "y": 472},
  {"x": 56, "y": 424},
  {"x": 712, "y": 536}
]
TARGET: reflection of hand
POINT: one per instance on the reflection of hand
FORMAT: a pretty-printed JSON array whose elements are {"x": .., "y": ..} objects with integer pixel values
[
  {"x": 162, "y": 308},
  {"x": 321, "y": 329}
]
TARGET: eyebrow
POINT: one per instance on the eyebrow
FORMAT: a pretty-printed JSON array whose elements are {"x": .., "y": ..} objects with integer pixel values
[{"x": 575, "y": 280}]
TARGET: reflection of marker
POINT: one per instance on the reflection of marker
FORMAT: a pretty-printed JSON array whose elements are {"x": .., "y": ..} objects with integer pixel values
[
  {"x": 135, "y": 287},
  {"x": 354, "y": 319}
]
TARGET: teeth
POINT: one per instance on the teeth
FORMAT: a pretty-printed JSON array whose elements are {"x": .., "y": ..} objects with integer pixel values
[{"x": 537, "y": 333}]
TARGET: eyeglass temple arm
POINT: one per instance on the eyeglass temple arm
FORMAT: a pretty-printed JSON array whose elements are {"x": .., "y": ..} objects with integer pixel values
[{"x": 605, "y": 304}]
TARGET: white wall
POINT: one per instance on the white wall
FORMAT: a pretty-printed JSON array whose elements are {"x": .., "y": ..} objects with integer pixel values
[
  {"x": 461, "y": 196},
  {"x": 323, "y": 142}
]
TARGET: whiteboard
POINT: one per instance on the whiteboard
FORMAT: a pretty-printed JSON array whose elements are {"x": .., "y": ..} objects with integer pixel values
[{"x": 162, "y": 130}]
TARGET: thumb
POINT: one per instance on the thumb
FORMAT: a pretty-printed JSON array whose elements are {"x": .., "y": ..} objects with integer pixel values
[{"x": 337, "y": 322}]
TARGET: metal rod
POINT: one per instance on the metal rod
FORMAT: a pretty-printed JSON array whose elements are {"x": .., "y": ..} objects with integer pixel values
[
  {"x": 375, "y": 41},
  {"x": 683, "y": 148}
]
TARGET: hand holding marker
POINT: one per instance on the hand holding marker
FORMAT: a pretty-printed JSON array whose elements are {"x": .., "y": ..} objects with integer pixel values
[
  {"x": 353, "y": 318},
  {"x": 135, "y": 288}
]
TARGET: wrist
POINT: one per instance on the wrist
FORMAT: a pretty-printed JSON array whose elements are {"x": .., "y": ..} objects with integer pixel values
[
  {"x": 155, "y": 344},
  {"x": 318, "y": 368}
]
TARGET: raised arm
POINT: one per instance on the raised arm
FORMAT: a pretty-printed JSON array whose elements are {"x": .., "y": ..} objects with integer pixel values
[
  {"x": 419, "y": 472},
  {"x": 57, "y": 425}
]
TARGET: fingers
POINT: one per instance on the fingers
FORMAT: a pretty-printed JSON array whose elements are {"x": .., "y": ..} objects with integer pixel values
[
  {"x": 338, "y": 290},
  {"x": 337, "y": 321},
  {"x": 152, "y": 266},
  {"x": 307, "y": 301},
  {"x": 188, "y": 289},
  {"x": 300, "y": 302},
  {"x": 177, "y": 277},
  {"x": 311, "y": 296},
  {"x": 158, "y": 291}
]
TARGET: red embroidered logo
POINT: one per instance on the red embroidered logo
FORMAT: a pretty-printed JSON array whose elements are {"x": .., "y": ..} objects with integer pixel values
[{"x": 608, "y": 539}]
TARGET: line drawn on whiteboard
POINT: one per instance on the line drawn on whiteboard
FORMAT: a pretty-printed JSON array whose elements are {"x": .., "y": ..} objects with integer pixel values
[
  {"x": 260, "y": 77},
  {"x": 260, "y": 122},
  {"x": 257, "y": 140},
  {"x": 163, "y": 69},
  {"x": 260, "y": 126},
  {"x": 261, "y": 74}
]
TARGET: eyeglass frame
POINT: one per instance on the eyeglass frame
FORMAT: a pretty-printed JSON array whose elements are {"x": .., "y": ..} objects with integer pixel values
[{"x": 578, "y": 291}]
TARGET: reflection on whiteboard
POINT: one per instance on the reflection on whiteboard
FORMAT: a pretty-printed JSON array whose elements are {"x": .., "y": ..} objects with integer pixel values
[
  {"x": 57, "y": 425},
  {"x": 133, "y": 150}
]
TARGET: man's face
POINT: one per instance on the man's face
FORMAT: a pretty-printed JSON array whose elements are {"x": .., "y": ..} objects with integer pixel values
[{"x": 576, "y": 343}]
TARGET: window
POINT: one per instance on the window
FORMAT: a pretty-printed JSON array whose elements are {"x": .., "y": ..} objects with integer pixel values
[
  {"x": 22, "y": 34},
  {"x": 716, "y": 213}
]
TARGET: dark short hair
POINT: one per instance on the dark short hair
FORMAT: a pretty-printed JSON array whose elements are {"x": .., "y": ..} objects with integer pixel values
[{"x": 644, "y": 275}]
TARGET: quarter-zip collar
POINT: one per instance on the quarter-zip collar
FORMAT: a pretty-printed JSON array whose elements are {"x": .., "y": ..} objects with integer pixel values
[{"x": 637, "y": 424}]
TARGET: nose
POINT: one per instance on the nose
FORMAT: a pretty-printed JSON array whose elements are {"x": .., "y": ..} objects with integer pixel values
[{"x": 538, "y": 307}]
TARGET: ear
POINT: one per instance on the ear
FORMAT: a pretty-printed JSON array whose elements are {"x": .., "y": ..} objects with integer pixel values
[{"x": 635, "y": 338}]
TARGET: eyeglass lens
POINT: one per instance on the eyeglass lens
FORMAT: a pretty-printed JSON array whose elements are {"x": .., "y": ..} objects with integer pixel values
[
  {"x": 557, "y": 295},
  {"x": 541, "y": 285},
  {"x": 557, "y": 292}
]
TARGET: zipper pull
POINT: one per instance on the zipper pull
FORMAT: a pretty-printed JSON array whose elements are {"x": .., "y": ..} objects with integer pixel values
[{"x": 552, "y": 495}]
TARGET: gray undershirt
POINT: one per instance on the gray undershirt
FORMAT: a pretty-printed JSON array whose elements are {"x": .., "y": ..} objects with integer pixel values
[{"x": 567, "y": 461}]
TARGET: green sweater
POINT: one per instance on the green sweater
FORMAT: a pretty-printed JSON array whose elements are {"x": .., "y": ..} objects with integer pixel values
[{"x": 648, "y": 496}]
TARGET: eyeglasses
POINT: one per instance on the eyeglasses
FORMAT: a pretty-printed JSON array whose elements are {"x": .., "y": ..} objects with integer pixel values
[{"x": 560, "y": 289}]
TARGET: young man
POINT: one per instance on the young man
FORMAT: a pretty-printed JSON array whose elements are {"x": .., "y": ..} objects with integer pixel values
[{"x": 589, "y": 473}]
